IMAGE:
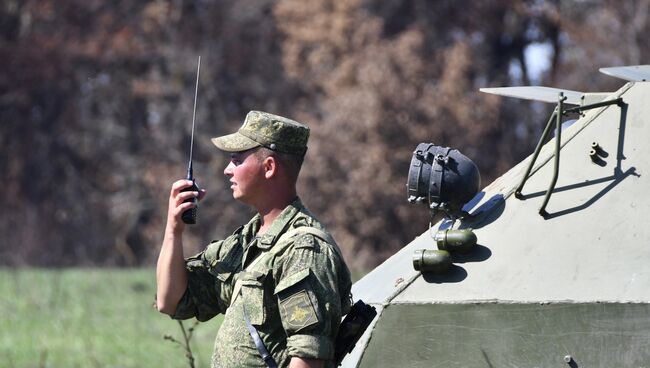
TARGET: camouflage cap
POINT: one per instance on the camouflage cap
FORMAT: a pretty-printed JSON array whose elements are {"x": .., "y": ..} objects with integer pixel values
[{"x": 267, "y": 130}]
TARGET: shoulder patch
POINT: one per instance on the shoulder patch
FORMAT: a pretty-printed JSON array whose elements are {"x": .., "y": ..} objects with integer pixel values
[{"x": 298, "y": 312}]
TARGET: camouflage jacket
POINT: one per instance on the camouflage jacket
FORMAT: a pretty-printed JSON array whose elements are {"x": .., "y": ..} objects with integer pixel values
[{"x": 294, "y": 295}]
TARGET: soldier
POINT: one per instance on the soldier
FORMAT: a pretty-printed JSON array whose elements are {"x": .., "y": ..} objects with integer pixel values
[{"x": 280, "y": 279}]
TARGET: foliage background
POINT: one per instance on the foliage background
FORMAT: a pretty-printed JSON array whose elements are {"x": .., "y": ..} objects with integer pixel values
[{"x": 96, "y": 104}]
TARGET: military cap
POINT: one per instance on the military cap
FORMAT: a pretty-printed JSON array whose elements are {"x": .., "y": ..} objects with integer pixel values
[{"x": 274, "y": 132}]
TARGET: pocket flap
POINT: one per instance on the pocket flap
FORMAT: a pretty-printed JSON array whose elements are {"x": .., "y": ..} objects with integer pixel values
[
  {"x": 221, "y": 271},
  {"x": 291, "y": 280},
  {"x": 251, "y": 278}
]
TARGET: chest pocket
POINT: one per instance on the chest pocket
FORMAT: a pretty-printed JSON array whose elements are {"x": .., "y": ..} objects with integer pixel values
[{"x": 253, "y": 296}]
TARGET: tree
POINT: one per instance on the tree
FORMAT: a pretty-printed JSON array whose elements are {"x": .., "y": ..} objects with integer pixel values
[{"x": 96, "y": 99}]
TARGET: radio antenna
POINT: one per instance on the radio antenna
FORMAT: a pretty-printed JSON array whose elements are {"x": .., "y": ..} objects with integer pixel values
[
  {"x": 189, "y": 216},
  {"x": 190, "y": 170}
]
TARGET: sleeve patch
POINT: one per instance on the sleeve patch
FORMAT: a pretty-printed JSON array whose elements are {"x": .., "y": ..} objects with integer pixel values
[{"x": 298, "y": 311}]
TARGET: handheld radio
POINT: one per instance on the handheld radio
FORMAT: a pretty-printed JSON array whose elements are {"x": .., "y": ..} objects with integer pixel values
[{"x": 189, "y": 216}]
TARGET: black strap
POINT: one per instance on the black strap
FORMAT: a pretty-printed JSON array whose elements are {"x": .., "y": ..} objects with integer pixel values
[{"x": 268, "y": 359}]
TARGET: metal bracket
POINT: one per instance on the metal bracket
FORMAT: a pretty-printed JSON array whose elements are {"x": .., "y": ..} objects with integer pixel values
[{"x": 556, "y": 116}]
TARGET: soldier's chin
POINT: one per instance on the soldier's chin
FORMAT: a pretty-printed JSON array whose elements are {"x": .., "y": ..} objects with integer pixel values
[
  {"x": 238, "y": 196},
  {"x": 243, "y": 199}
]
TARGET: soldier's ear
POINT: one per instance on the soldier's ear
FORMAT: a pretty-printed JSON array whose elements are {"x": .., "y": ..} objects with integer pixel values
[{"x": 270, "y": 166}]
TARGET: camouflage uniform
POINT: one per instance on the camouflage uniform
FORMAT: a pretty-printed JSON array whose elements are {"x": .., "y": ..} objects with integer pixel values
[
  {"x": 295, "y": 288},
  {"x": 294, "y": 298}
]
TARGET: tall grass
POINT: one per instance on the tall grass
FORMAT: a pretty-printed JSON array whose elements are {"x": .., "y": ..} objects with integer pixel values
[{"x": 90, "y": 318}]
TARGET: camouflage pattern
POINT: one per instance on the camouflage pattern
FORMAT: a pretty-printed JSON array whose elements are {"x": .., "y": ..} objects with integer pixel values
[
  {"x": 295, "y": 291},
  {"x": 271, "y": 131}
]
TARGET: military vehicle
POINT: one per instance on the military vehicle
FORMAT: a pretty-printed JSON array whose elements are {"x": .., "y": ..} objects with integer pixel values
[{"x": 559, "y": 275}]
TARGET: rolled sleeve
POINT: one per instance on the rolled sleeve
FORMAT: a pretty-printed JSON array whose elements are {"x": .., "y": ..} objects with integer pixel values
[
  {"x": 198, "y": 301},
  {"x": 207, "y": 288},
  {"x": 310, "y": 346},
  {"x": 200, "y": 297}
]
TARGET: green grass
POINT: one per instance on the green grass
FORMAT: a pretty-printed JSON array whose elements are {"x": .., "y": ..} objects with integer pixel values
[{"x": 90, "y": 318}]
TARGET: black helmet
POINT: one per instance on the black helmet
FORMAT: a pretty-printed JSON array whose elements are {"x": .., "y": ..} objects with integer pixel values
[{"x": 442, "y": 177}]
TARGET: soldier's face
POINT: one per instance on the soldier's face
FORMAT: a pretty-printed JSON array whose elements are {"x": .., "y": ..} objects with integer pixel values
[{"x": 246, "y": 176}]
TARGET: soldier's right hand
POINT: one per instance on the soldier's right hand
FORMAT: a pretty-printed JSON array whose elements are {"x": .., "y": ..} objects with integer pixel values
[{"x": 178, "y": 203}]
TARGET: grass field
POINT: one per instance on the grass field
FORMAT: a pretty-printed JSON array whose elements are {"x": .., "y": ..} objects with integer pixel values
[{"x": 90, "y": 318}]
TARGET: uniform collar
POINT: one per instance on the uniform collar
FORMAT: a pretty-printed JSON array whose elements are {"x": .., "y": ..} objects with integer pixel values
[{"x": 278, "y": 225}]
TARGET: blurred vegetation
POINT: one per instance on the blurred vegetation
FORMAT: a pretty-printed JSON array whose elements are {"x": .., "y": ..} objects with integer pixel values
[
  {"x": 96, "y": 105},
  {"x": 90, "y": 318}
]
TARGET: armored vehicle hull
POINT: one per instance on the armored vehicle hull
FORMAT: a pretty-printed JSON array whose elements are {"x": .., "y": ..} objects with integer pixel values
[{"x": 571, "y": 288}]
